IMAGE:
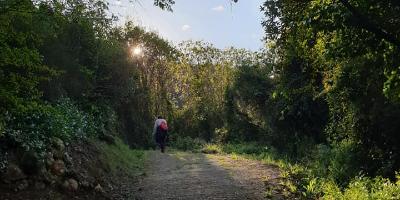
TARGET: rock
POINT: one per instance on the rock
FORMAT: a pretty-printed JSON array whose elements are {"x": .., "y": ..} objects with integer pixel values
[
  {"x": 30, "y": 163},
  {"x": 84, "y": 184},
  {"x": 58, "y": 144},
  {"x": 58, "y": 167},
  {"x": 22, "y": 185},
  {"x": 71, "y": 185},
  {"x": 99, "y": 189},
  {"x": 39, "y": 185},
  {"x": 49, "y": 159},
  {"x": 110, "y": 186},
  {"x": 46, "y": 176},
  {"x": 13, "y": 173},
  {"x": 58, "y": 148},
  {"x": 57, "y": 154},
  {"x": 67, "y": 159}
]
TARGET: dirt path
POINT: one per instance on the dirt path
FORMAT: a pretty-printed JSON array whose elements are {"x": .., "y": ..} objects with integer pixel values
[{"x": 180, "y": 175}]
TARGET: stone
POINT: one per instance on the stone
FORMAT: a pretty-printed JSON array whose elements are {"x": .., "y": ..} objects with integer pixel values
[
  {"x": 22, "y": 185},
  {"x": 13, "y": 173},
  {"x": 67, "y": 159},
  {"x": 58, "y": 144},
  {"x": 47, "y": 176},
  {"x": 39, "y": 185},
  {"x": 84, "y": 184},
  {"x": 70, "y": 185},
  {"x": 58, "y": 168},
  {"x": 57, "y": 154},
  {"x": 49, "y": 158},
  {"x": 110, "y": 186},
  {"x": 30, "y": 163},
  {"x": 58, "y": 148},
  {"x": 99, "y": 189}
]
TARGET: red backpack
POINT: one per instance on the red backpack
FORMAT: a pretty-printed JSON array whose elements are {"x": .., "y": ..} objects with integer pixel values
[{"x": 164, "y": 126}]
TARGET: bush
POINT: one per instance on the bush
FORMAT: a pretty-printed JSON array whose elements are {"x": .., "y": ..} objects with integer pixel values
[
  {"x": 339, "y": 162},
  {"x": 327, "y": 173},
  {"x": 187, "y": 143},
  {"x": 67, "y": 122},
  {"x": 120, "y": 157},
  {"x": 103, "y": 120},
  {"x": 245, "y": 148},
  {"x": 33, "y": 127},
  {"x": 30, "y": 127},
  {"x": 211, "y": 149},
  {"x": 363, "y": 188}
]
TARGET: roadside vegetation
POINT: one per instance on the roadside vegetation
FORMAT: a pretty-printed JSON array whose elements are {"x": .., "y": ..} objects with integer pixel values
[
  {"x": 321, "y": 100},
  {"x": 323, "y": 97},
  {"x": 317, "y": 176},
  {"x": 69, "y": 79},
  {"x": 119, "y": 157}
]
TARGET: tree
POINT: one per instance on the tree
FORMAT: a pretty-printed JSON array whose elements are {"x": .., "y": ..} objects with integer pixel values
[{"x": 349, "y": 61}]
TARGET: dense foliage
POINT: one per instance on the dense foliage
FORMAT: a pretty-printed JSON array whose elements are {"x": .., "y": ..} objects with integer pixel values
[
  {"x": 324, "y": 93},
  {"x": 67, "y": 72},
  {"x": 331, "y": 99},
  {"x": 345, "y": 57}
]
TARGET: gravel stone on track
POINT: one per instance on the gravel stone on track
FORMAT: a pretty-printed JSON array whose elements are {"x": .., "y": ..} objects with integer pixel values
[{"x": 182, "y": 175}]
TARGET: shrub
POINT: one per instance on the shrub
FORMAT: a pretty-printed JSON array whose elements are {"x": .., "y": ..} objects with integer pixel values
[
  {"x": 339, "y": 162},
  {"x": 363, "y": 188},
  {"x": 34, "y": 126},
  {"x": 29, "y": 127},
  {"x": 221, "y": 134},
  {"x": 211, "y": 149},
  {"x": 245, "y": 148},
  {"x": 187, "y": 143},
  {"x": 67, "y": 122},
  {"x": 120, "y": 157},
  {"x": 103, "y": 120}
]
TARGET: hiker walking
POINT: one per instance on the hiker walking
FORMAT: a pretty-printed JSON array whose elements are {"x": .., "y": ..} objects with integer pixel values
[{"x": 160, "y": 132}]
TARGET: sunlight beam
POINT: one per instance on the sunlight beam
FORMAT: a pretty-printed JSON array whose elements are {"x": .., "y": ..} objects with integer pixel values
[{"x": 137, "y": 51}]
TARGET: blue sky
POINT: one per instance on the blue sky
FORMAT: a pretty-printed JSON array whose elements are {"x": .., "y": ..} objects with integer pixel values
[{"x": 215, "y": 21}]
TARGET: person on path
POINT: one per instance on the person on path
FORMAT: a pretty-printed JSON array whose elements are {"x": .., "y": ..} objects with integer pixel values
[{"x": 160, "y": 132}]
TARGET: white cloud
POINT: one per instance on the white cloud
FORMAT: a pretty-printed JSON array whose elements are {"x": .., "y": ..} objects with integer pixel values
[
  {"x": 118, "y": 2},
  {"x": 185, "y": 27},
  {"x": 219, "y": 8}
]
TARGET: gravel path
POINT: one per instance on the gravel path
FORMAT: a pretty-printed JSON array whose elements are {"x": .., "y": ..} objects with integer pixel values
[{"x": 181, "y": 175}]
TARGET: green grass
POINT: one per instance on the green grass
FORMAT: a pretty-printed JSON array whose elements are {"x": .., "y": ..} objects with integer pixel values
[
  {"x": 322, "y": 172},
  {"x": 120, "y": 157},
  {"x": 317, "y": 176},
  {"x": 187, "y": 144},
  {"x": 211, "y": 149}
]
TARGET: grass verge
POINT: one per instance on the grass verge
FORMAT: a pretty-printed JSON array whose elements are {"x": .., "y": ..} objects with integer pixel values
[
  {"x": 319, "y": 176},
  {"x": 120, "y": 157}
]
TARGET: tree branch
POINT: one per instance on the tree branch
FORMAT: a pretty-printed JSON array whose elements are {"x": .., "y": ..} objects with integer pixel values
[{"x": 370, "y": 26}]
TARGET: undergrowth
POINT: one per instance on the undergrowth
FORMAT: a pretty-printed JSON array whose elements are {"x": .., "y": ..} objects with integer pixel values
[
  {"x": 122, "y": 158},
  {"x": 186, "y": 143},
  {"x": 326, "y": 173}
]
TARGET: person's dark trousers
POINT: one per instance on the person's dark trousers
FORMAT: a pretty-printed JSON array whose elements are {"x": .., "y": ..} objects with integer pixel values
[
  {"x": 161, "y": 144},
  {"x": 161, "y": 137},
  {"x": 162, "y": 147}
]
